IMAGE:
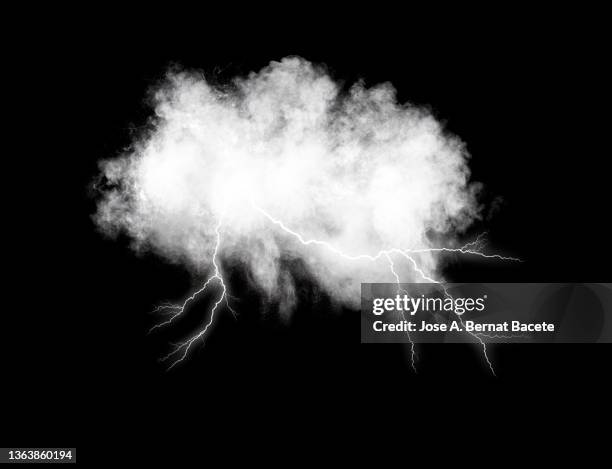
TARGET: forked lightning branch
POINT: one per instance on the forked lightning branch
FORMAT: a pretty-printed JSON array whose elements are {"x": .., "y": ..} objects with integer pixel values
[{"x": 457, "y": 306}]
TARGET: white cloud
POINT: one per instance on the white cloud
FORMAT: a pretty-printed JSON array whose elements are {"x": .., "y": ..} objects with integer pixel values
[{"x": 354, "y": 169}]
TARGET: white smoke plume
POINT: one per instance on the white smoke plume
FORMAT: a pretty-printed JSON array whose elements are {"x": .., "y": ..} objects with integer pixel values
[{"x": 352, "y": 168}]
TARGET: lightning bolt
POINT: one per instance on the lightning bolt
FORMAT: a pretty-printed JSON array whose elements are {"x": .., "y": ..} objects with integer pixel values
[
  {"x": 180, "y": 309},
  {"x": 402, "y": 312},
  {"x": 175, "y": 311}
]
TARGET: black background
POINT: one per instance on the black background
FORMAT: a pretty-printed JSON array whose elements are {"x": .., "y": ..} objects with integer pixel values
[{"x": 527, "y": 96}]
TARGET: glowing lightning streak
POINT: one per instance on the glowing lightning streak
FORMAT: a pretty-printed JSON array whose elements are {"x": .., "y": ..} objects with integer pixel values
[
  {"x": 429, "y": 279},
  {"x": 178, "y": 310},
  {"x": 403, "y": 314},
  {"x": 464, "y": 250},
  {"x": 185, "y": 346}
]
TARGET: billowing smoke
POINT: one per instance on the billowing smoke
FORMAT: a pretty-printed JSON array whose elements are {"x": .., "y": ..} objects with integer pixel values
[{"x": 352, "y": 168}]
